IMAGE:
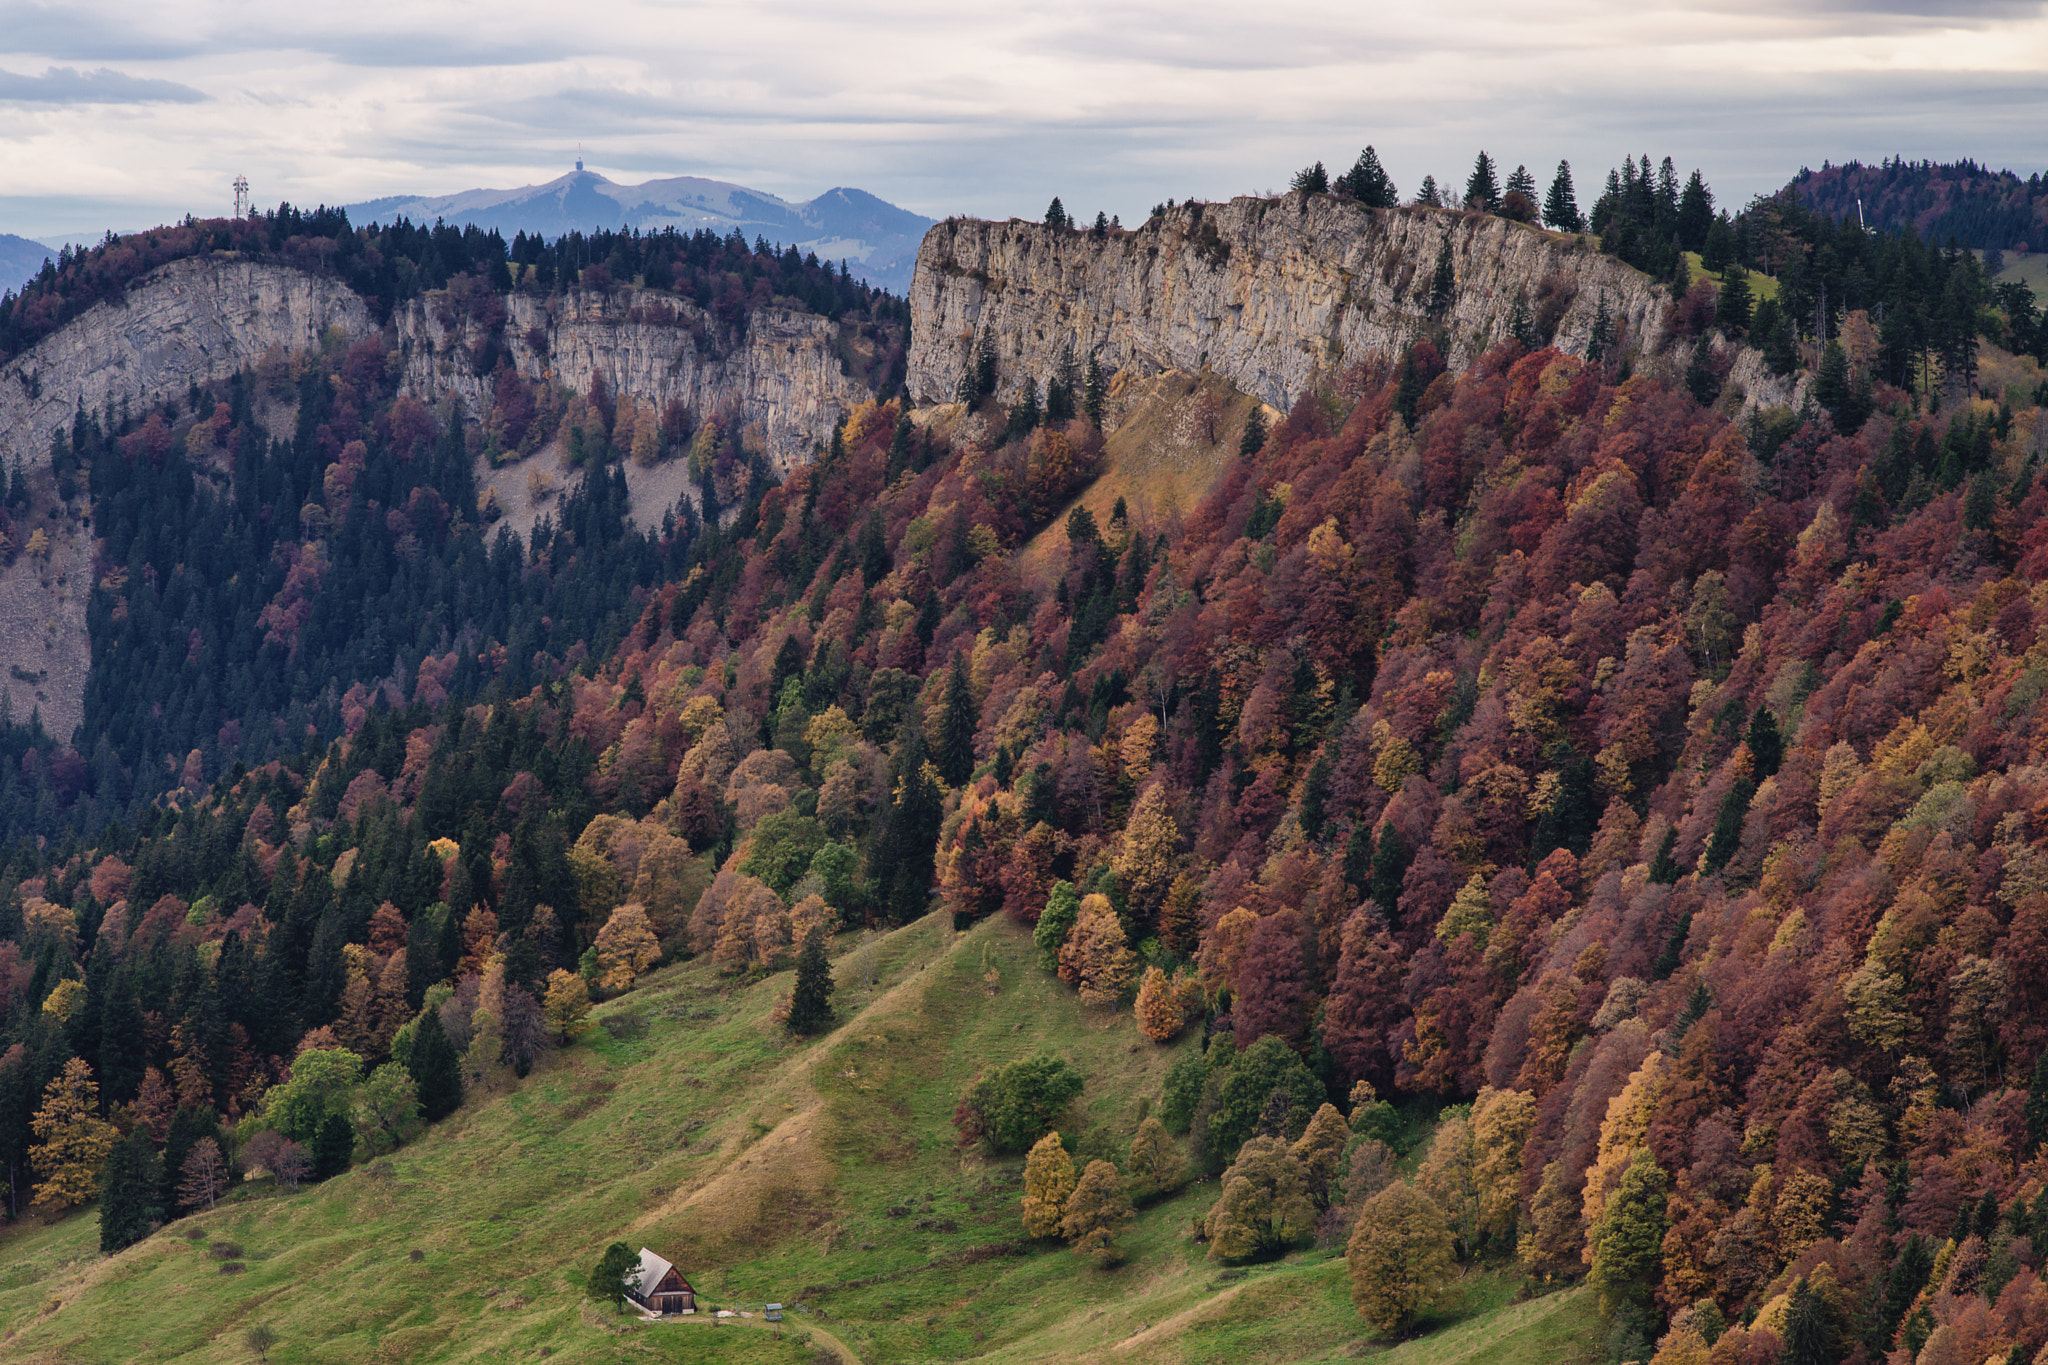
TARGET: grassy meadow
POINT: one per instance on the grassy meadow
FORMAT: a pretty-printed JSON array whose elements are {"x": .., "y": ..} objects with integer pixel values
[{"x": 821, "y": 1173}]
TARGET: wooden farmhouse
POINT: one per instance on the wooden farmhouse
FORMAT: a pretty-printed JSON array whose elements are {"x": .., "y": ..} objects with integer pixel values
[{"x": 659, "y": 1287}]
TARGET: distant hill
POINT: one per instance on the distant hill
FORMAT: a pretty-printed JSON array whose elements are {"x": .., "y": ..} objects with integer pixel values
[
  {"x": 1980, "y": 208},
  {"x": 878, "y": 240},
  {"x": 20, "y": 259}
]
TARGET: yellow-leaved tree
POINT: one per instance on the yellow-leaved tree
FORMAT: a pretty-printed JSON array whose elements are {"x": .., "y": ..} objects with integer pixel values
[
  {"x": 73, "y": 1139},
  {"x": 1096, "y": 1212},
  {"x": 1095, "y": 959},
  {"x": 1048, "y": 1184},
  {"x": 626, "y": 947},
  {"x": 1264, "y": 1204},
  {"x": 1399, "y": 1255},
  {"x": 1145, "y": 859},
  {"x": 568, "y": 1004}
]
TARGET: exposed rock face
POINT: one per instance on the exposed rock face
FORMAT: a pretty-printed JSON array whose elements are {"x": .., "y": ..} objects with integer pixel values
[
  {"x": 204, "y": 319},
  {"x": 784, "y": 378},
  {"x": 1268, "y": 293}
]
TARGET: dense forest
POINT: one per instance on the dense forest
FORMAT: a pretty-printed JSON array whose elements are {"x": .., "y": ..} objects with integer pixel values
[
  {"x": 1664, "y": 786},
  {"x": 1940, "y": 201}
]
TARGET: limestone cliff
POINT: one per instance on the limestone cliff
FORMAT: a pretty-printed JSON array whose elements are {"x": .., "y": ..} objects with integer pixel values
[{"x": 1267, "y": 293}]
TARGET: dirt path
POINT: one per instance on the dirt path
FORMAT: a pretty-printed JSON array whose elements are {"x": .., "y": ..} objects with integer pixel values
[{"x": 818, "y": 1334}]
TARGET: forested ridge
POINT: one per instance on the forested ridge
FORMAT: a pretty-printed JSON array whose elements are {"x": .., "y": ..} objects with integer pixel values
[
  {"x": 1973, "y": 204},
  {"x": 1533, "y": 736}
]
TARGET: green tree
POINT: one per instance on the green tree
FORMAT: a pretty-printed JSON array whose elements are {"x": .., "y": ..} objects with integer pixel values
[
  {"x": 810, "y": 1001},
  {"x": 1561, "y": 205},
  {"x": 436, "y": 1070},
  {"x": 1254, "y": 439},
  {"x": 1094, "y": 392},
  {"x": 130, "y": 1192},
  {"x": 608, "y": 1280},
  {"x": 1154, "y": 1163},
  {"x": 1242, "y": 1091},
  {"x": 1312, "y": 180},
  {"x": 1732, "y": 308},
  {"x": 1628, "y": 1240},
  {"x": 1264, "y": 1205},
  {"x": 1016, "y": 1105},
  {"x": 334, "y": 1147},
  {"x": 1062, "y": 908},
  {"x": 1482, "y": 187},
  {"x": 1056, "y": 214},
  {"x": 1443, "y": 282},
  {"x": 957, "y": 724},
  {"x": 1399, "y": 1256},
  {"x": 1368, "y": 182}
]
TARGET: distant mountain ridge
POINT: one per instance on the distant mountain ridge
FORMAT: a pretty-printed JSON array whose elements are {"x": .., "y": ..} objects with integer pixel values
[
  {"x": 877, "y": 239},
  {"x": 21, "y": 259}
]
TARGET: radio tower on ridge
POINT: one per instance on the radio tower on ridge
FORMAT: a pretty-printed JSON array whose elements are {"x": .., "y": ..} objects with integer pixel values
[{"x": 241, "y": 196}]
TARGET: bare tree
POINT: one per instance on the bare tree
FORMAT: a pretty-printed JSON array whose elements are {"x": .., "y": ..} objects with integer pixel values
[
  {"x": 205, "y": 1175},
  {"x": 293, "y": 1164}
]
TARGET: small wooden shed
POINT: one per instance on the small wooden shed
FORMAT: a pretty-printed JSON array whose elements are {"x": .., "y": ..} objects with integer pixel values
[{"x": 659, "y": 1287}]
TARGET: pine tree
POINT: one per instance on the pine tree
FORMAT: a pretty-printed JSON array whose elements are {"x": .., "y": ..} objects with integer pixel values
[
  {"x": 1367, "y": 182},
  {"x": 435, "y": 1068},
  {"x": 1561, "y": 205},
  {"x": 1094, "y": 392},
  {"x": 1695, "y": 213},
  {"x": 957, "y": 725},
  {"x": 1732, "y": 308},
  {"x": 1482, "y": 187},
  {"x": 1056, "y": 215},
  {"x": 810, "y": 1002},
  {"x": 1312, "y": 180},
  {"x": 334, "y": 1147},
  {"x": 129, "y": 1205},
  {"x": 1443, "y": 282}
]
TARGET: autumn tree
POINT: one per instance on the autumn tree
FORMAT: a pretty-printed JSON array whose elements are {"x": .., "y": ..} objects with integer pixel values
[
  {"x": 626, "y": 947},
  {"x": 1048, "y": 1184},
  {"x": 1265, "y": 1203},
  {"x": 74, "y": 1142},
  {"x": 1399, "y": 1256},
  {"x": 1095, "y": 959},
  {"x": 1154, "y": 1164},
  {"x": 1096, "y": 1212},
  {"x": 1165, "y": 1003},
  {"x": 567, "y": 1005},
  {"x": 204, "y": 1177},
  {"x": 1319, "y": 1150},
  {"x": 1145, "y": 864},
  {"x": 130, "y": 1207}
]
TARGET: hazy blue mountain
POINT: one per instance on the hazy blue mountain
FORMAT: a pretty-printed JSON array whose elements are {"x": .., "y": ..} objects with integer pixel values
[
  {"x": 876, "y": 239},
  {"x": 20, "y": 259}
]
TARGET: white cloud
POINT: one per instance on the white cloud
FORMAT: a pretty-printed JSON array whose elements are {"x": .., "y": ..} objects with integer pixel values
[{"x": 982, "y": 107}]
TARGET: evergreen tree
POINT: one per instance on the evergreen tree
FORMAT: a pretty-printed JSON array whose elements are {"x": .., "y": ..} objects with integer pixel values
[
  {"x": 436, "y": 1070},
  {"x": 957, "y": 724},
  {"x": 608, "y": 1280},
  {"x": 1701, "y": 379},
  {"x": 1094, "y": 391},
  {"x": 334, "y": 1146},
  {"x": 1561, "y": 205},
  {"x": 130, "y": 1192},
  {"x": 1695, "y": 213},
  {"x": 1766, "y": 744},
  {"x": 1443, "y": 283},
  {"x": 1254, "y": 438},
  {"x": 1367, "y": 182},
  {"x": 1429, "y": 196},
  {"x": 1732, "y": 308},
  {"x": 1312, "y": 180},
  {"x": 810, "y": 1002},
  {"x": 1482, "y": 188},
  {"x": 1056, "y": 214}
]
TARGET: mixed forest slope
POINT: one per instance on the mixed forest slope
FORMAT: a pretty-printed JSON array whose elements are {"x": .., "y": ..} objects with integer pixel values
[{"x": 1643, "y": 787}]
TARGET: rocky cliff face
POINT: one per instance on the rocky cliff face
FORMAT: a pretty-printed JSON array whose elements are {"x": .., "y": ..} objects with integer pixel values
[
  {"x": 202, "y": 320},
  {"x": 784, "y": 378},
  {"x": 1268, "y": 293}
]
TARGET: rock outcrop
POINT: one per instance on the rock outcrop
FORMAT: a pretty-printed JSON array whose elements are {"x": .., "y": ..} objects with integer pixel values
[{"x": 1268, "y": 293}]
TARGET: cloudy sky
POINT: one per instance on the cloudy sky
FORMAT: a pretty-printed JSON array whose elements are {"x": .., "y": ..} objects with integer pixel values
[{"x": 123, "y": 114}]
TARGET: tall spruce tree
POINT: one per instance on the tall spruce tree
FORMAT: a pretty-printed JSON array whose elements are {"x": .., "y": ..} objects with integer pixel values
[
  {"x": 957, "y": 725},
  {"x": 1561, "y": 205},
  {"x": 436, "y": 1070},
  {"x": 131, "y": 1194},
  {"x": 1443, "y": 284},
  {"x": 1368, "y": 182},
  {"x": 810, "y": 1001},
  {"x": 1482, "y": 187}
]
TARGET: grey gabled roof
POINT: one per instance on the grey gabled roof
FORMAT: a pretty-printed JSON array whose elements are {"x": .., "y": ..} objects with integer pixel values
[{"x": 649, "y": 1273}]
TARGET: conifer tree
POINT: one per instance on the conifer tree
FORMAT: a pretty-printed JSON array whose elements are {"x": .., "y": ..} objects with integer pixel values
[
  {"x": 810, "y": 1001},
  {"x": 1062, "y": 906},
  {"x": 74, "y": 1142},
  {"x": 1367, "y": 182},
  {"x": 1561, "y": 205},
  {"x": 1428, "y": 195},
  {"x": 1443, "y": 282},
  {"x": 1094, "y": 392},
  {"x": 1482, "y": 187},
  {"x": 1056, "y": 214},
  {"x": 436, "y": 1070},
  {"x": 129, "y": 1181},
  {"x": 1732, "y": 308},
  {"x": 1312, "y": 180},
  {"x": 334, "y": 1147},
  {"x": 957, "y": 725}
]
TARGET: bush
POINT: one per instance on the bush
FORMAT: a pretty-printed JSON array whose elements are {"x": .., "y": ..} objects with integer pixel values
[{"x": 1016, "y": 1106}]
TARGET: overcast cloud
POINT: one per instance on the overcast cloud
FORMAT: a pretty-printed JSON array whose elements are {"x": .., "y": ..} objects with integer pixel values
[{"x": 122, "y": 115}]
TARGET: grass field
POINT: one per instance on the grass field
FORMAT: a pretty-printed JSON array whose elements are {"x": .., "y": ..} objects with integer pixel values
[{"x": 823, "y": 1174}]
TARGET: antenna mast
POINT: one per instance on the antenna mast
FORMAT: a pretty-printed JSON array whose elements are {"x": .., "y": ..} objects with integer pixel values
[{"x": 241, "y": 196}]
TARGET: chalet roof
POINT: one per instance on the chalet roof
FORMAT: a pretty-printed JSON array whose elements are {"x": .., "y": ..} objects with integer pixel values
[{"x": 643, "y": 1278}]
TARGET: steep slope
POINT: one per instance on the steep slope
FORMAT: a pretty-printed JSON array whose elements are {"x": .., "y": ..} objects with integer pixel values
[
  {"x": 20, "y": 259},
  {"x": 1270, "y": 294}
]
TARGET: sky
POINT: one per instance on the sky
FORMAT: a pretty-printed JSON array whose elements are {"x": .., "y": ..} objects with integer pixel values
[{"x": 122, "y": 115}]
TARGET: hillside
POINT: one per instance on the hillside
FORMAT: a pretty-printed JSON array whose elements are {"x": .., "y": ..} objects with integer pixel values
[
  {"x": 1973, "y": 204},
  {"x": 1521, "y": 817},
  {"x": 20, "y": 260}
]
